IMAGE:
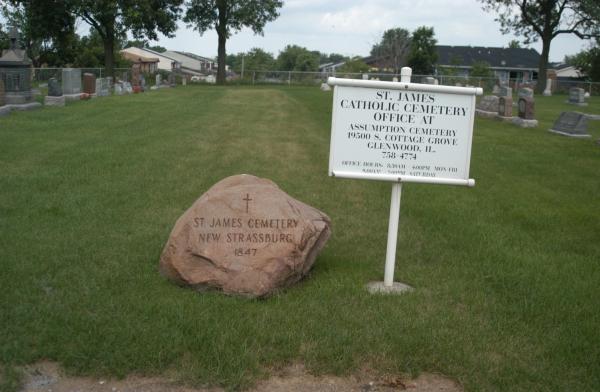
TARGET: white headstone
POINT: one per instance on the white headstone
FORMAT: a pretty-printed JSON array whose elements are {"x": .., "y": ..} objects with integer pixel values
[{"x": 548, "y": 90}]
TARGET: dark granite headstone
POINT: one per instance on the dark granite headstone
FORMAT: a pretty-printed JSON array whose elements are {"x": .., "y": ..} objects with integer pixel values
[
  {"x": 526, "y": 108},
  {"x": 505, "y": 106},
  {"x": 89, "y": 83},
  {"x": 577, "y": 95},
  {"x": 572, "y": 124},
  {"x": 54, "y": 88}
]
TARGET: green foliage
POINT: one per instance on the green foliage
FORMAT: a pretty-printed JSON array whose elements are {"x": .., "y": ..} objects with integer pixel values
[
  {"x": 544, "y": 20},
  {"x": 393, "y": 48},
  {"x": 587, "y": 61},
  {"x": 334, "y": 58},
  {"x": 514, "y": 44},
  {"x": 90, "y": 52},
  {"x": 47, "y": 28},
  {"x": 506, "y": 273},
  {"x": 422, "y": 55},
  {"x": 11, "y": 379},
  {"x": 481, "y": 69},
  {"x": 297, "y": 58},
  {"x": 111, "y": 19},
  {"x": 228, "y": 17},
  {"x": 355, "y": 65},
  {"x": 157, "y": 48},
  {"x": 255, "y": 59}
]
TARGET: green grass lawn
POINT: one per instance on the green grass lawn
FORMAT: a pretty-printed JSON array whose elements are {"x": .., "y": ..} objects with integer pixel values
[{"x": 507, "y": 274}]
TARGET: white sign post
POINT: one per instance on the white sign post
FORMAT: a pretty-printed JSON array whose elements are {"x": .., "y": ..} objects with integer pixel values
[{"x": 401, "y": 132}]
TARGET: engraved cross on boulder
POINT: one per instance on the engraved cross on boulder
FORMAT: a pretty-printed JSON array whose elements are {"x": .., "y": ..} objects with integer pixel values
[{"x": 247, "y": 200}]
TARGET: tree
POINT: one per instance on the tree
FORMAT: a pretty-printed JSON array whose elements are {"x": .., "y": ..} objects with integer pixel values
[
  {"x": 514, "y": 44},
  {"x": 481, "y": 69},
  {"x": 227, "y": 17},
  {"x": 544, "y": 20},
  {"x": 47, "y": 27},
  {"x": 334, "y": 58},
  {"x": 356, "y": 65},
  {"x": 258, "y": 60},
  {"x": 111, "y": 19},
  {"x": 587, "y": 61},
  {"x": 157, "y": 48},
  {"x": 393, "y": 48},
  {"x": 422, "y": 55},
  {"x": 297, "y": 58}
]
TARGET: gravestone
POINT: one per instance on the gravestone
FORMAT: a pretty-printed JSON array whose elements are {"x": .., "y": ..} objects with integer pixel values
[
  {"x": 429, "y": 80},
  {"x": 102, "y": 87},
  {"x": 496, "y": 90},
  {"x": 89, "y": 83},
  {"x": 488, "y": 106},
  {"x": 15, "y": 72},
  {"x": 211, "y": 79},
  {"x": 119, "y": 89},
  {"x": 184, "y": 81},
  {"x": 55, "y": 96},
  {"x": 505, "y": 108},
  {"x": 571, "y": 124},
  {"x": 548, "y": 90},
  {"x": 526, "y": 118},
  {"x": 488, "y": 103},
  {"x": 395, "y": 79},
  {"x": 143, "y": 82},
  {"x": 71, "y": 81},
  {"x": 127, "y": 88},
  {"x": 325, "y": 87},
  {"x": 125, "y": 76},
  {"x": 158, "y": 80},
  {"x": 244, "y": 236},
  {"x": 505, "y": 91},
  {"x": 577, "y": 96},
  {"x": 54, "y": 88},
  {"x": 365, "y": 76},
  {"x": 525, "y": 92},
  {"x": 171, "y": 80}
]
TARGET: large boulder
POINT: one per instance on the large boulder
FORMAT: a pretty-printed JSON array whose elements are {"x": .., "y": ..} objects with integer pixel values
[{"x": 244, "y": 236}]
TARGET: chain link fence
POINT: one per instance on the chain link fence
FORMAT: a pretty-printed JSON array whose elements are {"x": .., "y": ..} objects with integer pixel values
[{"x": 559, "y": 86}]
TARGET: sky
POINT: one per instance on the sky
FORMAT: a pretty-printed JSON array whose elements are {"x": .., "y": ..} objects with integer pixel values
[{"x": 352, "y": 27}]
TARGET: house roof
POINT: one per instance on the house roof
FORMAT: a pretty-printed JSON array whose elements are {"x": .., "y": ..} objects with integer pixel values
[
  {"x": 195, "y": 56},
  {"x": 514, "y": 58}
]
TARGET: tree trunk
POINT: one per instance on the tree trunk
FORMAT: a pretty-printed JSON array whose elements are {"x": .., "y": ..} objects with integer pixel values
[
  {"x": 109, "y": 52},
  {"x": 222, "y": 58},
  {"x": 222, "y": 33},
  {"x": 543, "y": 65}
]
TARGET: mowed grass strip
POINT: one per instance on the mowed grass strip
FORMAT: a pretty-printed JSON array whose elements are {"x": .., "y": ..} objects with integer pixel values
[{"x": 506, "y": 273}]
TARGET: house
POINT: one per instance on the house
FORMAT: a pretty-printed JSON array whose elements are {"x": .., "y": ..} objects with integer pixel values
[
  {"x": 506, "y": 63},
  {"x": 193, "y": 64},
  {"x": 330, "y": 68},
  {"x": 165, "y": 63},
  {"x": 562, "y": 70},
  {"x": 147, "y": 64}
]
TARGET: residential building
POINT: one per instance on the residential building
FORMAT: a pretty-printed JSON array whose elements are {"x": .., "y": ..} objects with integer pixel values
[
  {"x": 165, "y": 63},
  {"x": 519, "y": 64}
]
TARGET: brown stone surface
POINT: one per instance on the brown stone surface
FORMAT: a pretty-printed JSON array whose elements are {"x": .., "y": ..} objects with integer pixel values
[
  {"x": 244, "y": 236},
  {"x": 505, "y": 106},
  {"x": 89, "y": 83},
  {"x": 526, "y": 108}
]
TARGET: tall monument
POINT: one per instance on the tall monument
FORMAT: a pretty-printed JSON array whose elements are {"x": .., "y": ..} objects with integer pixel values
[{"x": 15, "y": 71}]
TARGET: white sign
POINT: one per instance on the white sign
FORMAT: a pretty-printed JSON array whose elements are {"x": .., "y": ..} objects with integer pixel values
[{"x": 402, "y": 131}]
